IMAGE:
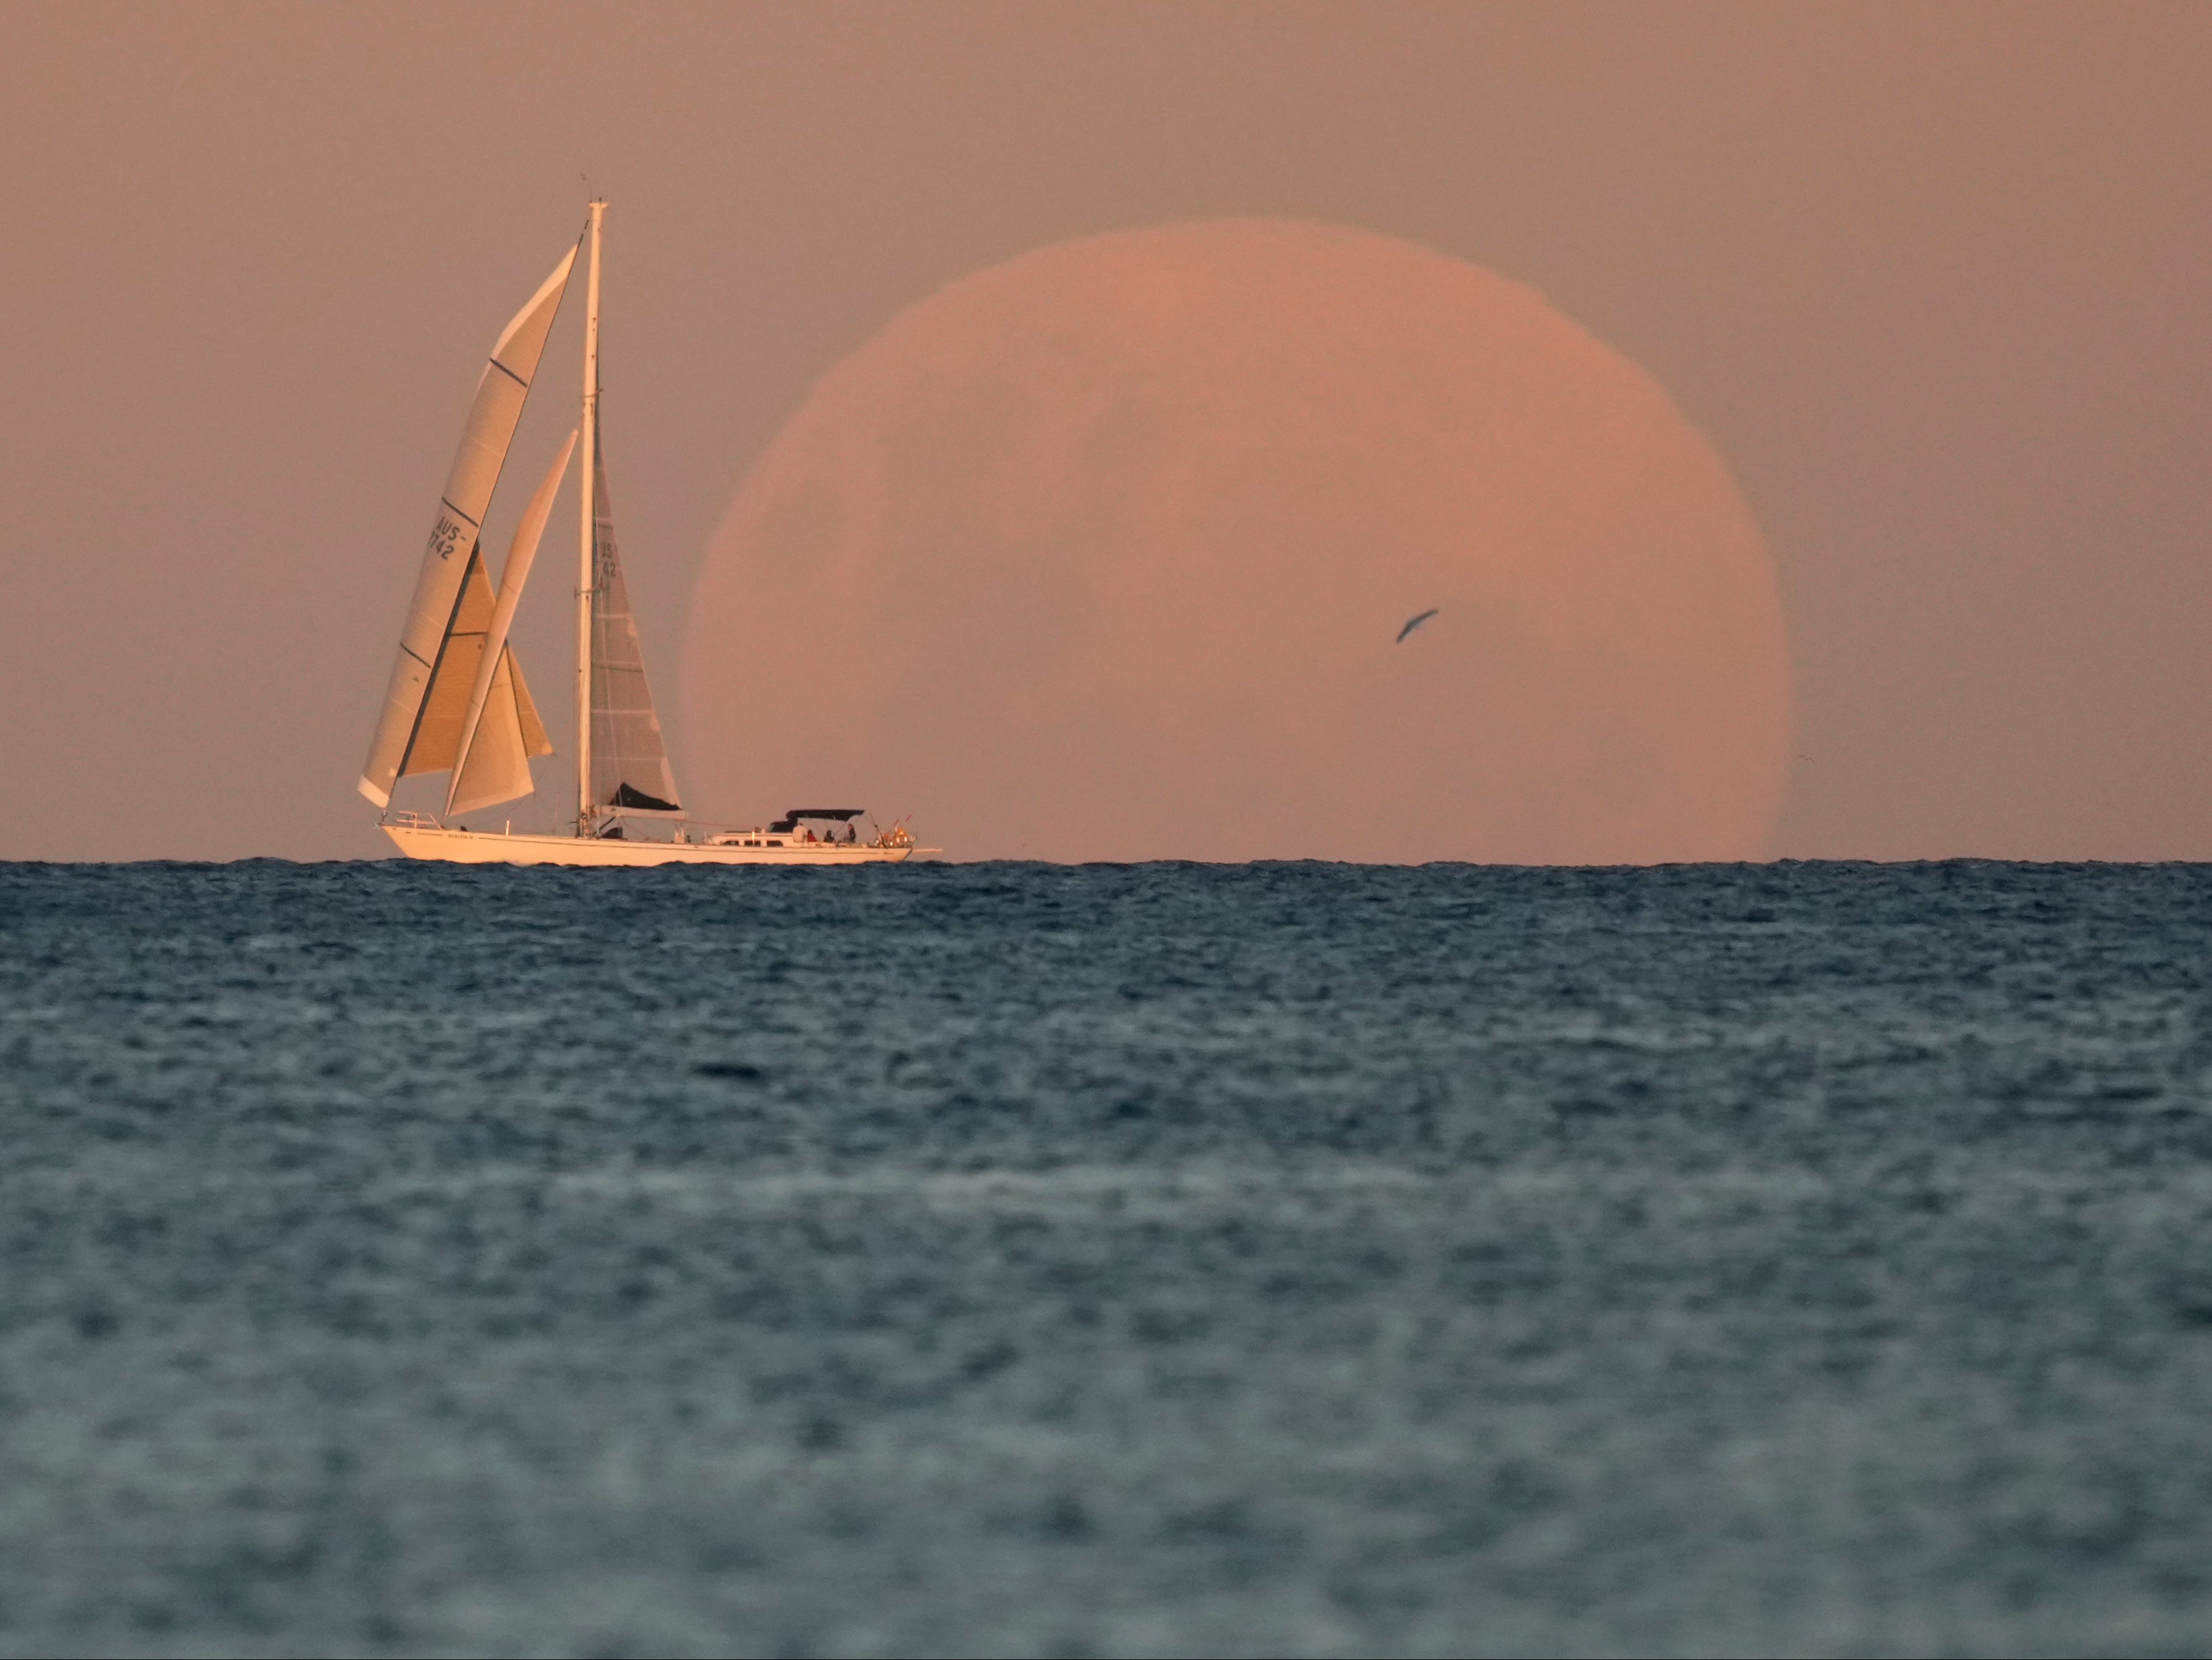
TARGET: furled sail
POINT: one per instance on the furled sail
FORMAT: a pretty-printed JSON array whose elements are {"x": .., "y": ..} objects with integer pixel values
[
  {"x": 630, "y": 762},
  {"x": 440, "y": 588},
  {"x": 496, "y": 694}
]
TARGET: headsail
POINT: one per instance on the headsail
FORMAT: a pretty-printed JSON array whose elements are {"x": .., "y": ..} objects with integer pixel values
[
  {"x": 440, "y": 587},
  {"x": 511, "y": 731},
  {"x": 488, "y": 700},
  {"x": 497, "y": 766},
  {"x": 629, "y": 760}
]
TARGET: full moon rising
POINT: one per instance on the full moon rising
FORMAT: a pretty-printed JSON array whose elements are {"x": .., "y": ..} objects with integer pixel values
[{"x": 1102, "y": 554}]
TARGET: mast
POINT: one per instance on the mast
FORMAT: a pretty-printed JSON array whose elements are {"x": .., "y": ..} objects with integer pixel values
[{"x": 584, "y": 494}]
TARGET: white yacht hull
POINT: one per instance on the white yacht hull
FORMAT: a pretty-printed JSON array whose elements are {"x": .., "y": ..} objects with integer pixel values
[{"x": 463, "y": 847}]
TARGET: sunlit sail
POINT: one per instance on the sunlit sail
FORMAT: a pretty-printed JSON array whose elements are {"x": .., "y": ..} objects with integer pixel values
[
  {"x": 500, "y": 760},
  {"x": 451, "y": 554},
  {"x": 492, "y": 763}
]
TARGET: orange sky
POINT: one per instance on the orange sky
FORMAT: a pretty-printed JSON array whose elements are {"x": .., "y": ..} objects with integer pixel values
[{"x": 1931, "y": 281}]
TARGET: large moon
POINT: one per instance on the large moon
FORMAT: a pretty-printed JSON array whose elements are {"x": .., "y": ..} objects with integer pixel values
[{"x": 1102, "y": 554}]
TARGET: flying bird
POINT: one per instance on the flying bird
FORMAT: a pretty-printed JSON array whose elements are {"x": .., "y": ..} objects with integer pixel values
[{"x": 1413, "y": 623}]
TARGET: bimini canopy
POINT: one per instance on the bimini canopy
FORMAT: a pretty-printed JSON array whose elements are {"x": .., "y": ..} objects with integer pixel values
[{"x": 789, "y": 822}]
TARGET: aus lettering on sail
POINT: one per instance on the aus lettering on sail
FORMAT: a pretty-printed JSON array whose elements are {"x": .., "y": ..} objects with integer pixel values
[{"x": 445, "y": 535}]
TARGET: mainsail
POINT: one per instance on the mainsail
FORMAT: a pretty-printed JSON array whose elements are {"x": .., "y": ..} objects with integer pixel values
[
  {"x": 630, "y": 762},
  {"x": 442, "y": 587}
]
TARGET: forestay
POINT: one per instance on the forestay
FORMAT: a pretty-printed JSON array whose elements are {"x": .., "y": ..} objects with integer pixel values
[
  {"x": 441, "y": 586},
  {"x": 629, "y": 760}
]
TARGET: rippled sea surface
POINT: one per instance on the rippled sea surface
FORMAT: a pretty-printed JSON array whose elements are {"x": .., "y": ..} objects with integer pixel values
[{"x": 1155, "y": 1259}]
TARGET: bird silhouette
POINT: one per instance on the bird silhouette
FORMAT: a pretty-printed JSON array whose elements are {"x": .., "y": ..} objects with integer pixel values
[{"x": 1413, "y": 623}]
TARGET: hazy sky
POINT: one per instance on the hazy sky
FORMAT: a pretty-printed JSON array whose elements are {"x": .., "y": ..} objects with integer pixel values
[
  {"x": 1934, "y": 282},
  {"x": 1111, "y": 545}
]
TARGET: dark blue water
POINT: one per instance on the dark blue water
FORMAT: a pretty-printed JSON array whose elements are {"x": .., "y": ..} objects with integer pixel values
[{"x": 1811, "y": 1258}]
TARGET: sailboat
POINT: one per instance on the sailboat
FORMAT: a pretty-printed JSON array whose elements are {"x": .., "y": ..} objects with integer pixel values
[{"x": 458, "y": 702}]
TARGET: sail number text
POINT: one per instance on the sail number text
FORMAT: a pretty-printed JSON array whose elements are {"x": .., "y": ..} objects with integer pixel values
[{"x": 445, "y": 535}]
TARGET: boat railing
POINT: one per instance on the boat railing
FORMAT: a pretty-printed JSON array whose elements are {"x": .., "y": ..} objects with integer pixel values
[{"x": 700, "y": 833}]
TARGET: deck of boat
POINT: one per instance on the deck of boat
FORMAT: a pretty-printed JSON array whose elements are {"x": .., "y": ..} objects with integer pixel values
[{"x": 466, "y": 847}]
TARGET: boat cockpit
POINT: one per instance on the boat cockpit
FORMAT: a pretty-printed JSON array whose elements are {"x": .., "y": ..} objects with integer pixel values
[{"x": 793, "y": 828}]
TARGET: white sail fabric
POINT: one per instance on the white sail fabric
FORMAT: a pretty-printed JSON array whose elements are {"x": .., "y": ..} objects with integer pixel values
[
  {"x": 497, "y": 767},
  {"x": 438, "y": 587},
  {"x": 508, "y": 733},
  {"x": 630, "y": 762},
  {"x": 486, "y": 693}
]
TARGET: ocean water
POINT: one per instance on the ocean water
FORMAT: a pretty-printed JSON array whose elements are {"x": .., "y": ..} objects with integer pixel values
[{"x": 1809, "y": 1258}]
